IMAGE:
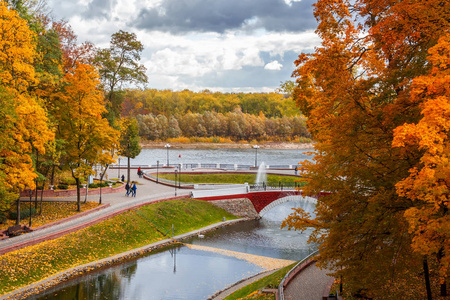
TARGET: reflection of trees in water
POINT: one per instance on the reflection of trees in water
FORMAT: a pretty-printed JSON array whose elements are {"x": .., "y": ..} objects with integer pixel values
[
  {"x": 128, "y": 271},
  {"x": 98, "y": 286}
]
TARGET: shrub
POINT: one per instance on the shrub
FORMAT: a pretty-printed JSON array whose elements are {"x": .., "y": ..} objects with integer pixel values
[
  {"x": 2, "y": 217},
  {"x": 94, "y": 185},
  {"x": 24, "y": 213},
  {"x": 68, "y": 181},
  {"x": 63, "y": 186}
]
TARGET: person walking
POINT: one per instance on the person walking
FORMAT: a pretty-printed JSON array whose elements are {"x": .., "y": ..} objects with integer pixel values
[
  {"x": 139, "y": 172},
  {"x": 127, "y": 187},
  {"x": 134, "y": 188}
]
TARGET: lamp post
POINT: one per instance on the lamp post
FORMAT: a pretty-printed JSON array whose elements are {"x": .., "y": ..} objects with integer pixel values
[
  {"x": 179, "y": 176},
  {"x": 256, "y": 147},
  {"x": 157, "y": 169},
  {"x": 167, "y": 146},
  {"x": 176, "y": 182},
  {"x": 118, "y": 170}
]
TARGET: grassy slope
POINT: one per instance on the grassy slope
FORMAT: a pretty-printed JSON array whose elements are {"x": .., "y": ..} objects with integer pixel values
[
  {"x": 270, "y": 282},
  {"x": 124, "y": 232}
]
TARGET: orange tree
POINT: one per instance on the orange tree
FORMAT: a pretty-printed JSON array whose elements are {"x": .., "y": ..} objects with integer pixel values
[
  {"x": 429, "y": 181},
  {"x": 356, "y": 89},
  {"x": 88, "y": 137}
]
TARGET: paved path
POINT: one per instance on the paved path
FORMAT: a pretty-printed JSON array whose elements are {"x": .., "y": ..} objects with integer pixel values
[
  {"x": 309, "y": 284},
  {"x": 147, "y": 192}
]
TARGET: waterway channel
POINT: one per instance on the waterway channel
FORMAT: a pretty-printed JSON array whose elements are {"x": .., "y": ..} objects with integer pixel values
[{"x": 198, "y": 269}]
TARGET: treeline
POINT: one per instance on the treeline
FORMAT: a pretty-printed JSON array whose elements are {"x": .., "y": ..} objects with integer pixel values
[
  {"x": 166, "y": 102},
  {"x": 234, "y": 125}
]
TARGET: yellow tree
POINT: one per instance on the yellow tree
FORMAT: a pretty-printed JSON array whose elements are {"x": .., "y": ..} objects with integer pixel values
[
  {"x": 428, "y": 184},
  {"x": 78, "y": 108},
  {"x": 24, "y": 121}
]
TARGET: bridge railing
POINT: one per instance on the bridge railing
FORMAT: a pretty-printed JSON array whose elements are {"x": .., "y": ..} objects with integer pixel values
[{"x": 278, "y": 185}]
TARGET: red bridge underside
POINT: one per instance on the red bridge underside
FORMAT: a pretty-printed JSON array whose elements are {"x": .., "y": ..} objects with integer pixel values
[{"x": 258, "y": 199}]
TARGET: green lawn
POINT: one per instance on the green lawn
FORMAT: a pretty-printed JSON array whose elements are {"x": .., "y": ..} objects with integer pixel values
[
  {"x": 228, "y": 178},
  {"x": 269, "y": 282}
]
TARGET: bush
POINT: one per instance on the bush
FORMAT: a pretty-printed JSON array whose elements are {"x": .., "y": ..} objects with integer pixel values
[
  {"x": 93, "y": 185},
  {"x": 2, "y": 217},
  {"x": 24, "y": 213},
  {"x": 63, "y": 186},
  {"x": 68, "y": 181}
]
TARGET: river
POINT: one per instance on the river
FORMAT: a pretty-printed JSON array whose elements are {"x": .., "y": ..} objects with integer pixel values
[
  {"x": 221, "y": 156},
  {"x": 199, "y": 269}
]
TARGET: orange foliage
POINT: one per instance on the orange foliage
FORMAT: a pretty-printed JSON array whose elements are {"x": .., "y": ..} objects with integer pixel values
[{"x": 428, "y": 184}]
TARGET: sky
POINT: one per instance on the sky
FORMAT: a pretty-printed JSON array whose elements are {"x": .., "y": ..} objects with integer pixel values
[{"x": 219, "y": 45}]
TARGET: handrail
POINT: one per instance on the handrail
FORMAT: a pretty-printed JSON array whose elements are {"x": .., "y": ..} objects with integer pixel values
[{"x": 281, "y": 286}]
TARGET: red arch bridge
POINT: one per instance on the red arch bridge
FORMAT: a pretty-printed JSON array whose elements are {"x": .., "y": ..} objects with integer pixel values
[{"x": 263, "y": 201}]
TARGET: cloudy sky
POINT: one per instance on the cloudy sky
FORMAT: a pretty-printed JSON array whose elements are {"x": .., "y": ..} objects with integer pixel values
[{"x": 220, "y": 45}]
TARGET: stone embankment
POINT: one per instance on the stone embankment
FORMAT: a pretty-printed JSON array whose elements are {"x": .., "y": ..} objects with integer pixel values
[{"x": 239, "y": 207}]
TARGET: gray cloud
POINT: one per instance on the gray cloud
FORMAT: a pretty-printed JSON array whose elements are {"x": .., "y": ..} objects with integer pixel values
[
  {"x": 181, "y": 16},
  {"x": 99, "y": 9}
]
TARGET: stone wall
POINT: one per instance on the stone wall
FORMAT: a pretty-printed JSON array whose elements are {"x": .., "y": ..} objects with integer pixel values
[{"x": 241, "y": 207}]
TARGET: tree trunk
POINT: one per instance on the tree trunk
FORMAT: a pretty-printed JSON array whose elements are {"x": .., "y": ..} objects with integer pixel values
[
  {"x": 427, "y": 279},
  {"x": 128, "y": 169},
  {"x": 35, "y": 197},
  {"x": 77, "y": 181},
  {"x": 18, "y": 210},
  {"x": 42, "y": 196},
  {"x": 444, "y": 289}
]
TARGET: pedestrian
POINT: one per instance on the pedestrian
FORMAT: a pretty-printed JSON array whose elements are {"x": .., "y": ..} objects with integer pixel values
[
  {"x": 134, "y": 188},
  {"x": 123, "y": 178},
  {"x": 139, "y": 172},
  {"x": 127, "y": 187}
]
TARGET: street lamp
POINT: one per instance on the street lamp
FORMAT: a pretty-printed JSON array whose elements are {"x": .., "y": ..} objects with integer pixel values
[
  {"x": 179, "y": 176},
  {"x": 157, "y": 169},
  {"x": 256, "y": 147},
  {"x": 175, "y": 182},
  {"x": 118, "y": 170},
  {"x": 167, "y": 146}
]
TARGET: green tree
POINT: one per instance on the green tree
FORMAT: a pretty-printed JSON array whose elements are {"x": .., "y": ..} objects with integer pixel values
[
  {"x": 119, "y": 64},
  {"x": 129, "y": 141}
]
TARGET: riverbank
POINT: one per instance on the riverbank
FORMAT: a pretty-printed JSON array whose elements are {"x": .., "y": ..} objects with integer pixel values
[
  {"x": 266, "y": 145},
  {"x": 50, "y": 260}
]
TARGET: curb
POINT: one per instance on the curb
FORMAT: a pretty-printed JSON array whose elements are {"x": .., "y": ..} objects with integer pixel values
[
  {"x": 40, "y": 286},
  {"x": 62, "y": 232}
]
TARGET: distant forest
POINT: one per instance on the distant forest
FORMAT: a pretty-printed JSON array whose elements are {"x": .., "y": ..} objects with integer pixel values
[{"x": 165, "y": 114}]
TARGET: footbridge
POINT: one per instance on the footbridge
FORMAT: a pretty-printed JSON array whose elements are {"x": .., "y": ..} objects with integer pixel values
[{"x": 261, "y": 200}]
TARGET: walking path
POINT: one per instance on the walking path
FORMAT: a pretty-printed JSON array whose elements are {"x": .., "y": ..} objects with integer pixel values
[
  {"x": 311, "y": 283},
  {"x": 147, "y": 192}
]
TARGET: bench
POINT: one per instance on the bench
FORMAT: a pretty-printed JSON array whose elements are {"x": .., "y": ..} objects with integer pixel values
[{"x": 16, "y": 230}]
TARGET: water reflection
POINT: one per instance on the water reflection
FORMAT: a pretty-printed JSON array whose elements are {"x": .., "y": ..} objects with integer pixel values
[{"x": 183, "y": 273}]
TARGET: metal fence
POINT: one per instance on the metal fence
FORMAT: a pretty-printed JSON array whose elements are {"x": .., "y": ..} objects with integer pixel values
[
  {"x": 206, "y": 166},
  {"x": 279, "y": 185}
]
